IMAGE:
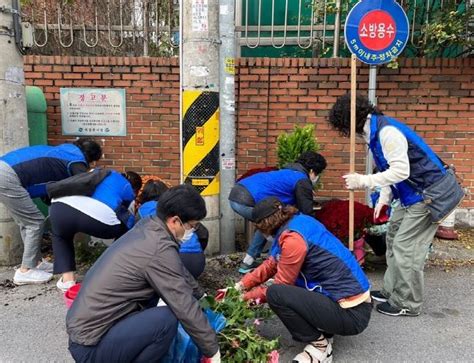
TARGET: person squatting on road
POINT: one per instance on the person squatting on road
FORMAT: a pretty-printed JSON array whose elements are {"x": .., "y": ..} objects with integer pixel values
[
  {"x": 103, "y": 215},
  {"x": 24, "y": 174},
  {"x": 193, "y": 246},
  {"x": 319, "y": 289},
  {"x": 111, "y": 319},
  {"x": 293, "y": 184},
  {"x": 407, "y": 165}
]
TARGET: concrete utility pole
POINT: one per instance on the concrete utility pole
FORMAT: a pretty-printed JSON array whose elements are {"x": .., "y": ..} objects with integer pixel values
[
  {"x": 199, "y": 65},
  {"x": 227, "y": 122},
  {"x": 13, "y": 122}
]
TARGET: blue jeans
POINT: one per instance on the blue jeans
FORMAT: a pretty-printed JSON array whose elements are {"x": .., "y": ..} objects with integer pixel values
[
  {"x": 258, "y": 242},
  {"x": 140, "y": 337}
]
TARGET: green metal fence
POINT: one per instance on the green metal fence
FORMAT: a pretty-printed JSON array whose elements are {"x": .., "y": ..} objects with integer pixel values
[{"x": 305, "y": 28}]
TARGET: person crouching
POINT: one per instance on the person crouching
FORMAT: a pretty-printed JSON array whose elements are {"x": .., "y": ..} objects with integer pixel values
[{"x": 319, "y": 289}]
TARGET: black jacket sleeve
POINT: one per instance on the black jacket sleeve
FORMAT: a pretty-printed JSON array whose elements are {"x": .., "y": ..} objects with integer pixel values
[
  {"x": 79, "y": 184},
  {"x": 77, "y": 168},
  {"x": 304, "y": 196}
]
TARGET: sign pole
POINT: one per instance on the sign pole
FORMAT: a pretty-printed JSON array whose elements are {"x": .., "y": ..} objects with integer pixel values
[
  {"x": 352, "y": 147},
  {"x": 375, "y": 32}
]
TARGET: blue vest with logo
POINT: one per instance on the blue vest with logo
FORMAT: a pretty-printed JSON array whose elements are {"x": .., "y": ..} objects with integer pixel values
[
  {"x": 40, "y": 164},
  {"x": 425, "y": 166},
  {"x": 278, "y": 183},
  {"x": 190, "y": 246},
  {"x": 329, "y": 267}
]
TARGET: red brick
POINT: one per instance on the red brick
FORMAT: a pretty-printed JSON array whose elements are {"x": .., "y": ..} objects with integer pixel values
[
  {"x": 81, "y": 69},
  {"x": 32, "y": 75}
]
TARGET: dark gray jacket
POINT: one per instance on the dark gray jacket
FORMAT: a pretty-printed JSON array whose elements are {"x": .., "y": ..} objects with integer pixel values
[{"x": 142, "y": 263}]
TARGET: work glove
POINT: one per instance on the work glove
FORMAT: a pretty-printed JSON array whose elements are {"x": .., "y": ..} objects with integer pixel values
[
  {"x": 216, "y": 358},
  {"x": 355, "y": 181},
  {"x": 380, "y": 213},
  {"x": 256, "y": 296}
]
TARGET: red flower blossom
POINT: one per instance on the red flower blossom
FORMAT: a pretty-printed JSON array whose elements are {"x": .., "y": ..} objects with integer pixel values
[{"x": 335, "y": 217}]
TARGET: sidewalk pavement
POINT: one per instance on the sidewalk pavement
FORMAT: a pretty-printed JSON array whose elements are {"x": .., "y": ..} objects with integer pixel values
[{"x": 32, "y": 325}]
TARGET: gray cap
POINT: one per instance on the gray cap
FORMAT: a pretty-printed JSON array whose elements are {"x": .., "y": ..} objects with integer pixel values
[{"x": 265, "y": 208}]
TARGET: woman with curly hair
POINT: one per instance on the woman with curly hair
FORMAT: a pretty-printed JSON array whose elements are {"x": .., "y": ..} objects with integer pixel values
[
  {"x": 319, "y": 288},
  {"x": 407, "y": 165}
]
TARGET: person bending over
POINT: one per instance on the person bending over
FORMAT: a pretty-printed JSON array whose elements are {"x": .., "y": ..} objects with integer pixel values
[
  {"x": 293, "y": 184},
  {"x": 25, "y": 174},
  {"x": 103, "y": 215}
]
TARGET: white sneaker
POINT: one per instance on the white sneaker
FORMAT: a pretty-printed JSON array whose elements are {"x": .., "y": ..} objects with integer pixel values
[
  {"x": 32, "y": 276},
  {"x": 64, "y": 286},
  {"x": 45, "y": 266}
]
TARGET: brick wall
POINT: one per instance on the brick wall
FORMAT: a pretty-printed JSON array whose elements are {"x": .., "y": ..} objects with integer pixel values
[
  {"x": 152, "y": 91},
  {"x": 435, "y": 97}
]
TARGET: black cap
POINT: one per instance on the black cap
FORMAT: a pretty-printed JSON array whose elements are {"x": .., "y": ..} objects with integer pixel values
[{"x": 265, "y": 208}]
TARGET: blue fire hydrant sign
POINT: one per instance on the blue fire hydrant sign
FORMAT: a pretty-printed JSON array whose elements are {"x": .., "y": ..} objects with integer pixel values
[{"x": 376, "y": 31}]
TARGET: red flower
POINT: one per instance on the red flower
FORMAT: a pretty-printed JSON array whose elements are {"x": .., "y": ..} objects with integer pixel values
[{"x": 335, "y": 217}]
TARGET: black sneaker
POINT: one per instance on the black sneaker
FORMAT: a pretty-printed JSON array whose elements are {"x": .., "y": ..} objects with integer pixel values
[
  {"x": 387, "y": 309},
  {"x": 378, "y": 296}
]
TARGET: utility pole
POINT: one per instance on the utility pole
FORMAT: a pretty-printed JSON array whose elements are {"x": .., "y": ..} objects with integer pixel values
[
  {"x": 227, "y": 122},
  {"x": 199, "y": 98},
  {"x": 337, "y": 30},
  {"x": 13, "y": 121}
]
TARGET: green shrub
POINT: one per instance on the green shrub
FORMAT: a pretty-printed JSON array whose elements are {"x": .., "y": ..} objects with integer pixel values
[{"x": 292, "y": 145}]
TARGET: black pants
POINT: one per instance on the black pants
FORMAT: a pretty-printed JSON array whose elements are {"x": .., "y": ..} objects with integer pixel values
[
  {"x": 307, "y": 314},
  {"x": 66, "y": 221},
  {"x": 141, "y": 337},
  {"x": 377, "y": 243}
]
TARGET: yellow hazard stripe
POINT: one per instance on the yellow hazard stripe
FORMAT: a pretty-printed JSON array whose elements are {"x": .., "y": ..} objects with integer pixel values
[{"x": 201, "y": 127}]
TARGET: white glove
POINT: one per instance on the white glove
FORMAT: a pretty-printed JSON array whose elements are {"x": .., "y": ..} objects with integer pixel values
[
  {"x": 355, "y": 181},
  {"x": 216, "y": 358},
  {"x": 238, "y": 286},
  {"x": 378, "y": 209}
]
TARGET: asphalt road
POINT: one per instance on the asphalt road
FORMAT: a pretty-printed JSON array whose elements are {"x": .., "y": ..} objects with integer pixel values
[{"x": 32, "y": 326}]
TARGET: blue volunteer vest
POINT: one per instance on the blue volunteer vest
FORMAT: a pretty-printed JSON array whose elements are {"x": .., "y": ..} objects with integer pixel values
[
  {"x": 113, "y": 191},
  {"x": 425, "y": 166},
  {"x": 278, "y": 183},
  {"x": 40, "y": 164},
  {"x": 147, "y": 209},
  {"x": 329, "y": 267},
  {"x": 190, "y": 246}
]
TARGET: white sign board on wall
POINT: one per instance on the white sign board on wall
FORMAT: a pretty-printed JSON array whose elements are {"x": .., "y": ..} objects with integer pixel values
[{"x": 93, "y": 112}]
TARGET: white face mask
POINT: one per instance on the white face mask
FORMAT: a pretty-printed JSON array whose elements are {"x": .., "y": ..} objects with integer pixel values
[
  {"x": 315, "y": 180},
  {"x": 188, "y": 233}
]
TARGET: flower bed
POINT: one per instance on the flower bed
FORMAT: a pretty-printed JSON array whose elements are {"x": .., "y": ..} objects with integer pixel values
[{"x": 334, "y": 214}]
